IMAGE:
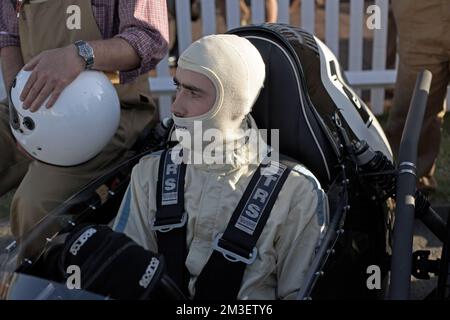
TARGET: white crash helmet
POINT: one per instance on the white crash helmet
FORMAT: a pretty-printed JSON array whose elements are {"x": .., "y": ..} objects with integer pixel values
[{"x": 76, "y": 128}]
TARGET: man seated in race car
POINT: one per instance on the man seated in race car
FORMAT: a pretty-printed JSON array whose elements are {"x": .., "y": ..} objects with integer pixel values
[{"x": 230, "y": 221}]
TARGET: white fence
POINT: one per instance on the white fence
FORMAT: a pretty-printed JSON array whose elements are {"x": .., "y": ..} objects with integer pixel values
[
  {"x": 376, "y": 78},
  {"x": 2, "y": 88}
]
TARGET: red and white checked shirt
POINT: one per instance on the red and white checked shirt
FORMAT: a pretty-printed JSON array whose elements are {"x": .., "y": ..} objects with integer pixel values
[{"x": 142, "y": 23}]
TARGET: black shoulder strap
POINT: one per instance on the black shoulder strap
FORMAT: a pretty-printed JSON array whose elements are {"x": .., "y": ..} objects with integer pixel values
[
  {"x": 222, "y": 275},
  {"x": 171, "y": 218}
]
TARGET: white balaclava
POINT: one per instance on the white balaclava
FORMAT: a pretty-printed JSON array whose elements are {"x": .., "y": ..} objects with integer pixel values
[{"x": 237, "y": 71}]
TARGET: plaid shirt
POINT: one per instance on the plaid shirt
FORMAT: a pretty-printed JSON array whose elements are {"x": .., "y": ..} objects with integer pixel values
[{"x": 142, "y": 23}]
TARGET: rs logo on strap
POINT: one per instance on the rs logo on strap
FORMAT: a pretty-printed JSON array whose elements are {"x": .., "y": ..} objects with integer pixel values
[
  {"x": 170, "y": 179},
  {"x": 256, "y": 203}
]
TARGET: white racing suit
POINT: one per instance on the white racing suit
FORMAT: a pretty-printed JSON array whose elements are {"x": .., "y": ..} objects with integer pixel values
[{"x": 286, "y": 246}]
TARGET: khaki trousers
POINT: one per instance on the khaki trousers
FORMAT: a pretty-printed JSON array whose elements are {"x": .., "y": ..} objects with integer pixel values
[
  {"x": 424, "y": 43},
  {"x": 41, "y": 187}
]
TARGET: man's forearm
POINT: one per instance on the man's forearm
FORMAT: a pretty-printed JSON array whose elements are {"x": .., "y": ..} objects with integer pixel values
[
  {"x": 271, "y": 11},
  {"x": 12, "y": 62},
  {"x": 52, "y": 70},
  {"x": 114, "y": 54}
]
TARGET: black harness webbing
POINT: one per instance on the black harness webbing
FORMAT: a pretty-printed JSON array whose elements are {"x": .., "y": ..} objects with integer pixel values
[
  {"x": 170, "y": 218},
  {"x": 235, "y": 248},
  {"x": 222, "y": 276}
]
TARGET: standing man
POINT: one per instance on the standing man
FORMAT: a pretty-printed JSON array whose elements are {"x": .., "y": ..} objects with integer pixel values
[
  {"x": 424, "y": 43},
  {"x": 56, "y": 40}
]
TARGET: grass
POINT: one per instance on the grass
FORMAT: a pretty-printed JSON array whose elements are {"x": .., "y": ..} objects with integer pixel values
[
  {"x": 442, "y": 196},
  {"x": 442, "y": 174}
]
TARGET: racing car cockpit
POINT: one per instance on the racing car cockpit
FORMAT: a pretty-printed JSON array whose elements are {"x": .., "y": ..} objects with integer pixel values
[{"x": 322, "y": 124}]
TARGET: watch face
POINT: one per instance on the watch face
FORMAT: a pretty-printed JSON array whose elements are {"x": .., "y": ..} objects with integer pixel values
[{"x": 86, "y": 52}]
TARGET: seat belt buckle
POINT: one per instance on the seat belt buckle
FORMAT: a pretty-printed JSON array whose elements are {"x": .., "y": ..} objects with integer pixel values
[
  {"x": 232, "y": 256},
  {"x": 169, "y": 226}
]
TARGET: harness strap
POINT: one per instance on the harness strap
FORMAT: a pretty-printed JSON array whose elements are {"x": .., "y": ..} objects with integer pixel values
[
  {"x": 222, "y": 276},
  {"x": 170, "y": 218}
]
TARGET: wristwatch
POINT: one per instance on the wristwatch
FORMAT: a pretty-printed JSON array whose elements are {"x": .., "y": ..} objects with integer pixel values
[{"x": 86, "y": 52}]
